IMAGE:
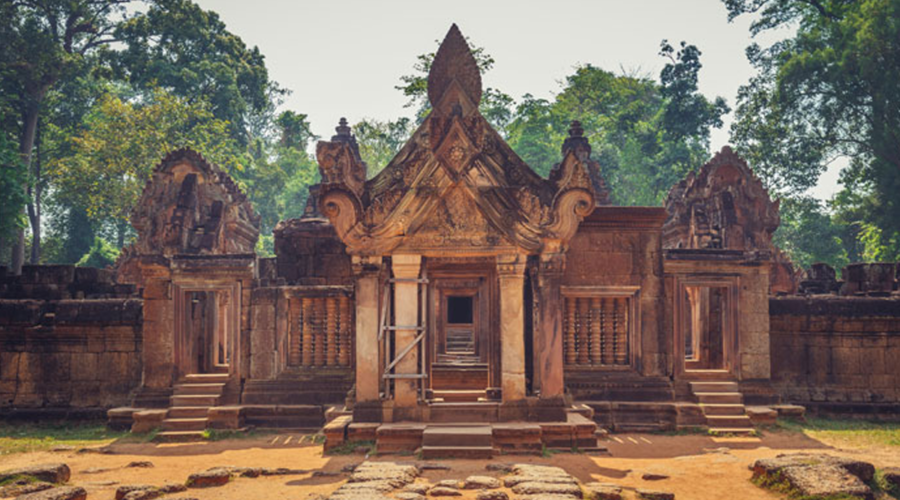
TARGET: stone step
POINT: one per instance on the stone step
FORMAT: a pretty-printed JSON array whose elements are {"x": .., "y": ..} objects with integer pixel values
[
  {"x": 480, "y": 412},
  {"x": 211, "y": 389},
  {"x": 179, "y": 436},
  {"x": 714, "y": 386},
  {"x": 729, "y": 421},
  {"x": 457, "y": 436},
  {"x": 185, "y": 424},
  {"x": 188, "y": 412},
  {"x": 722, "y": 409},
  {"x": 719, "y": 397},
  {"x": 194, "y": 400},
  {"x": 474, "y": 452},
  {"x": 206, "y": 378},
  {"x": 459, "y": 396},
  {"x": 709, "y": 375}
]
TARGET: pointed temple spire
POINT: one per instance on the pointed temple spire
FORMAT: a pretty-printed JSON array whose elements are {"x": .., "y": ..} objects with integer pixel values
[{"x": 454, "y": 61}]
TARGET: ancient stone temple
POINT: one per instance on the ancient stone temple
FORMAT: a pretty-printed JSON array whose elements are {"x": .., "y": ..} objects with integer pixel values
[{"x": 456, "y": 302}]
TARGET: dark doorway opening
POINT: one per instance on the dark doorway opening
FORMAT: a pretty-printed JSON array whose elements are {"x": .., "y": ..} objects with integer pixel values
[{"x": 459, "y": 310}]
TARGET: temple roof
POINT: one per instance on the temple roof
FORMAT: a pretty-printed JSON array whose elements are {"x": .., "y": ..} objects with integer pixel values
[{"x": 456, "y": 183}]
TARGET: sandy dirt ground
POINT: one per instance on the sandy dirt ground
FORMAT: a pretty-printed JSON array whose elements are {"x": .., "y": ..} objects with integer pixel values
[{"x": 699, "y": 467}]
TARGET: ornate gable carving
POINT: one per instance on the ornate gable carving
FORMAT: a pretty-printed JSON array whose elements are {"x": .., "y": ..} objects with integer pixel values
[
  {"x": 725, "y": 206},
  {"x": 190, "y": 206},
  {"x": 456, "y": 182}
]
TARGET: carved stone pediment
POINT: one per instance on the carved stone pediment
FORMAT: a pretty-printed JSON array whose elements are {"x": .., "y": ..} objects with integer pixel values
[
  {"x": 725, "y": 206},
  {"x": 190, "y": 206},
  {"x": 455, "y": 183}
]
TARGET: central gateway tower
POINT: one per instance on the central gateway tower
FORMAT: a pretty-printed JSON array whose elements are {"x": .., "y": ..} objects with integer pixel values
[{"x": 458, "y": 249}]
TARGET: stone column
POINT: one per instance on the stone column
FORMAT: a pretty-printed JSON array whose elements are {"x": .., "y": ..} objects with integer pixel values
[
  {"x": 511, "y": 271},
  {"x": 366, "y": 271},
  {"x": 548, "y": 332},
  {"x": 406, "y": 314}
]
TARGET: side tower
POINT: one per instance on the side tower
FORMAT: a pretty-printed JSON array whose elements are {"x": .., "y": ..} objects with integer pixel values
[{"x": 194, "y": 262}]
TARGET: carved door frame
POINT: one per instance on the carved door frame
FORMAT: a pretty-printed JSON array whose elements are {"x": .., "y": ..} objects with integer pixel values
[
  {"x": 180, "y": 291},
  {"x": 730, "y": 333},
  {"x": 478, "y": 276}
]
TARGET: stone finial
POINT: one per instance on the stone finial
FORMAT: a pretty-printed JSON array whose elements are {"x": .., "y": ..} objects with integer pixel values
[
  {"x": 454, "y": 61},
  {"x": 576, "y": 141},
  {"x": 343, "y": 132}
]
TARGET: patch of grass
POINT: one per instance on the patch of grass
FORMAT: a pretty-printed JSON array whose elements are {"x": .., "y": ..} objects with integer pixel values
[
  {"x": 26, "y": 437},
  {"x": 845, "y": 432},
  {"x": 223, "y": 434},
  {"x": 349, "y": 447},
  {"x": 547, "y": 452},
  {"x": 880, "y": 485}
]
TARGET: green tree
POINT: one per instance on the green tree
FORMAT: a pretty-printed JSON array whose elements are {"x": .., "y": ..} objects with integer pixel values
[
  {"x": 809, "y": 234},
  {"x": 101, "y": 254},
  {"x": 379, "y": 141},
  {"x": 45, "y": 42},
  {"x": 646, "y": 135},
  {"x": 829, "y": 91},
  {"x": 178, "y": 46},
  {"x": 113, "y": 157}
]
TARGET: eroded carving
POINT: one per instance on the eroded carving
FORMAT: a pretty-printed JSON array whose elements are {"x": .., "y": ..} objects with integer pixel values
[{"x": 725, "y": 206}]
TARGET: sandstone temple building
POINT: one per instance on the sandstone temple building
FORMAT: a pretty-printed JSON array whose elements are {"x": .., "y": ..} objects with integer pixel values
[{"x": 456, "y": 286}]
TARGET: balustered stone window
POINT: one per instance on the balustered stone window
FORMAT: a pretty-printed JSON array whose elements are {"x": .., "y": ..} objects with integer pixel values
[{"x": 599, "y": 325}]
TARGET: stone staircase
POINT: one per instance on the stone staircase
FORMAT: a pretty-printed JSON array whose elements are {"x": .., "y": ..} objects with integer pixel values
[
  {"x": 186, "y": 419},
  {"x": 723, "y": 406},
  {"x": 457, "y": 441}
]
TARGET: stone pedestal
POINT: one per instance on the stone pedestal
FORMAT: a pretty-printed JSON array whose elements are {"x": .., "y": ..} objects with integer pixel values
[
  {"x": 511, "y": 271},
  {"x": 548, "y": 332},
  {"x": 366, "y": 271},
  {"x": 406, "y": 318}
]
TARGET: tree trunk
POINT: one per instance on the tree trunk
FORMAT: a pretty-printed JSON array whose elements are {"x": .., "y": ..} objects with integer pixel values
[
  {"x": 26, "y": 144},
  {"x": 120, "y": 229},
  {"x": 34, "y": 206}
]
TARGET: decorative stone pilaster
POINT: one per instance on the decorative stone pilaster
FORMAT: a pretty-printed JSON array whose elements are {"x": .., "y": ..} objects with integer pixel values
[
  {"x": 511, "y": 271},
  {"x": 548, "y": 332},
  {"x": 406, "y": 317},
  {"x": 366, "y": 270}
]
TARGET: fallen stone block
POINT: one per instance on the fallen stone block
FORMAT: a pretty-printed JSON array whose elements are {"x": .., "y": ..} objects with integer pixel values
[
  {"x": 417, "y": 488},
  {"x": 492, "y": 495},
  {"x": 481, "y": 483},
  {"x": 48, "y": 473},
  {"x": 23, "y": 486},
  {"x": 444, "y": 491},
  {"x": 536, "y": 488},
  {"x": 210, "y": 478},
  {"x": 769, "y": 466},
  {"x": 61, "y": 493},
  {"x": 826, "y": 481},
  {"x": 602, "y": 491},
  {"x": 655, "y": 495},
  {"x": 409, "y": 495}
]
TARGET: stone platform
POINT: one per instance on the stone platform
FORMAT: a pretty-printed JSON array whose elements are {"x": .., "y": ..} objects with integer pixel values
[{"x": 462, "y": 439}]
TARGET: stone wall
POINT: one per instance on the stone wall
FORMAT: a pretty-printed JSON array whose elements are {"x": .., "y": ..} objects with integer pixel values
[
  {"x": 837, "y": 354},
  {"x": 619, "y": 247},
  {"x": 70, "y": 341}
]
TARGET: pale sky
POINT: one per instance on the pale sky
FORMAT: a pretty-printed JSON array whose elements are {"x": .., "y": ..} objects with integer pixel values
[{"x": 343, "y": 58}]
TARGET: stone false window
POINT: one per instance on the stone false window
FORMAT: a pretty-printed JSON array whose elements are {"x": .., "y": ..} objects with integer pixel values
[
  {"x": 599, "y": 325},
  {"x": 321, "y": 331}
]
